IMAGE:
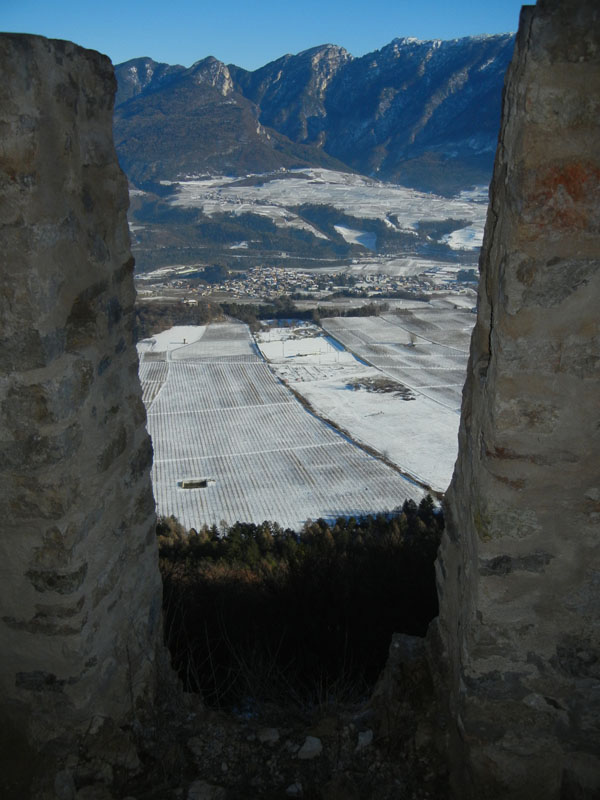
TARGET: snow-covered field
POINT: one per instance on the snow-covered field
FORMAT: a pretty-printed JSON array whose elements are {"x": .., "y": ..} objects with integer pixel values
[
  {"x": 428, "y": 357},
  {"x": 425, "y": 349},
  {"x": 171, "y": 339},
  {"x": 303, "y": 344},
  {"x": 355, "y": 195},
  {"x": 217, "y": 414}
]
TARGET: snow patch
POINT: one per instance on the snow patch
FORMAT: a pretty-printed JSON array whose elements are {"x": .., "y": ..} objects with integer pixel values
[
  {"x": 352, "y": 236},
  {"x": 469, "y": 238}
]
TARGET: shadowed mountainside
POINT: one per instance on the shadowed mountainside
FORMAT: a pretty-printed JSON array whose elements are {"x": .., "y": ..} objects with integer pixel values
[{"x": 425, "y": 114}]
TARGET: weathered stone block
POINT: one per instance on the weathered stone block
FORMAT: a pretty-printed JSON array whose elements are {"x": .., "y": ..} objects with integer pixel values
[
  {"x": 519, "y": 565},
  {"x": 80, "y": 589}
]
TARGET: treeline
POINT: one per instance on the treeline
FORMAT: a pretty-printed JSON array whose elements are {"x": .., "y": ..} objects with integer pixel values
[
  {"x": 285, "y": 308},
  {"x": 280, "y": 308},
  {"x": 265, "y": 236},
  {"x": 367, "y": 310},
  {"x": 389, "y": 239},
  {"x": 154, "y": 317},
  {"x": 402, "y": 294},
  {"x": 256, "y": 613}
]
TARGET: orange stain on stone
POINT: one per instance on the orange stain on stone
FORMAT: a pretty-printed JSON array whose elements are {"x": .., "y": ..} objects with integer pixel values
[
  {"x": 574, "y": 178},
  {"x": 563, "y": 197}
]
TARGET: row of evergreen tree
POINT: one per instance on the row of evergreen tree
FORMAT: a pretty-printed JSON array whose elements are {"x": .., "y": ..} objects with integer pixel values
[{"x": 257, "y": 613}]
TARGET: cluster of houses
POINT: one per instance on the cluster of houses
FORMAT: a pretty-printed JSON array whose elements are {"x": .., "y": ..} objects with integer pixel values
[{"x": 268, "y": 283}]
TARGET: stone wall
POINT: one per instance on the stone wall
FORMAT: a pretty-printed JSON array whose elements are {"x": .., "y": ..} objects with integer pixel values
[
  {"x": 519, "y": 570},
  {"x": 79, "y": 588}
]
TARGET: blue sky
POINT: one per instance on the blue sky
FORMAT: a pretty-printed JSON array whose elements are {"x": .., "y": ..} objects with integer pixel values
[{"x": 250, "y": 33}]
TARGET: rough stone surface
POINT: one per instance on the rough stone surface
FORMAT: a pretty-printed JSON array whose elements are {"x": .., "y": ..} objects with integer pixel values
[
  {"x": 201, "y": 790},
  {"x": 365, "y": 739},
  {"x": 519, "y": 571},
  {"x": 79, "y": 589},
  {"x": 268, "y": 735},
  {"x": 389, "y": 767},
  {"x": 311, "y": 748}
]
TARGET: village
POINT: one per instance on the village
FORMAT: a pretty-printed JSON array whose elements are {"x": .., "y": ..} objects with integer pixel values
[{"x": 261, "y": 283}]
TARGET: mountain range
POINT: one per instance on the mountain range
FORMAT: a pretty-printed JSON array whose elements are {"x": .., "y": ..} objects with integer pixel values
[{"x": 420, "y": 113}]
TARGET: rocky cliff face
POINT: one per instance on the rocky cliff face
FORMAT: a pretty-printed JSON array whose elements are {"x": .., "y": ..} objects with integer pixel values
[
  {"x": 139, "y": 73},
  {"x": 80, "y": 589},
  {"x": 291, "y": 91},
  {"x": 421, "y": 113},
  {"x": 194, "y": 121},
  {"x": 519, "y": 569}
]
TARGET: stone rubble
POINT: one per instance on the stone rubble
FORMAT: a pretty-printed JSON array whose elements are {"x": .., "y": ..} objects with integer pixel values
[{"x": 312, "y": 748}]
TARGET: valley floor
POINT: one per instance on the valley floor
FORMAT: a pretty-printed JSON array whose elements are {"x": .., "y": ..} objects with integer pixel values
[
  {"x": 400, "y": 395},
  {"x": 221, "y": 420},
  {"x": 232, "y": 442}
]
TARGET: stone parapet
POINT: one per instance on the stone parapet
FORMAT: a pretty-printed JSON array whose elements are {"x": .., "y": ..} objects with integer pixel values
[
  {"x": 80, "y": 595},
  {"x": 519, "y": 568}
]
